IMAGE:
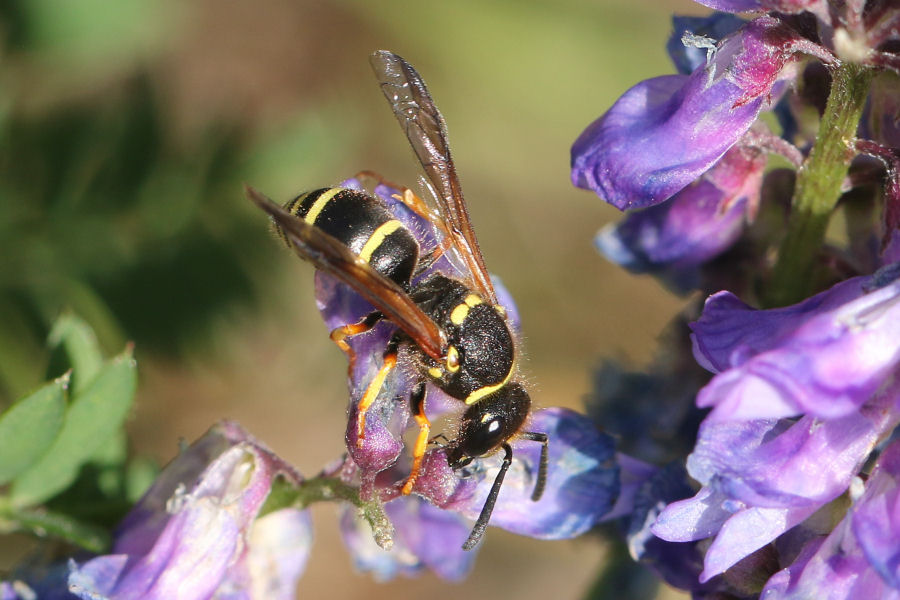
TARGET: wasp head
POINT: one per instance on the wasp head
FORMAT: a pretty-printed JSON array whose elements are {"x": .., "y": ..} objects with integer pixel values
[{"x": 488, "y": 423}]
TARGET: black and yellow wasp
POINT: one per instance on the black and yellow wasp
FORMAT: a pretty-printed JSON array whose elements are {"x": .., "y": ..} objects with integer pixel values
[{"x": 459, "y": 334}]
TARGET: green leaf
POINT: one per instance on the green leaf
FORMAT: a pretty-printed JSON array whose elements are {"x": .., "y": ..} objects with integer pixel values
[
  {"x": 29, "y": 427},
  {"x": 113, "y": 452},
  {"x": 94, "y": 416},
  {"x": 75, "y": 338},
  {"x": 139, "y": 476}
]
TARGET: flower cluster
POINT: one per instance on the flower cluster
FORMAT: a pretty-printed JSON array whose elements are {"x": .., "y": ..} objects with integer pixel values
[{"x": 796, "y": 470}]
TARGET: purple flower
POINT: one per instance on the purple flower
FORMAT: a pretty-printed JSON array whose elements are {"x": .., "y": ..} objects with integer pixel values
[
  {"x": 582, "y": 480},
  {"x": 825, "y": 356},
  {"x": 859, "y": 559},
  {"x": 829, "y": 360},
  {"x": 198, "y": 533},
  {"x": 801, "y": 397},
  {"x": 665, "y": 132},
  {"x": 8, "y": 591},
  {"x": 698, "y": 223}
]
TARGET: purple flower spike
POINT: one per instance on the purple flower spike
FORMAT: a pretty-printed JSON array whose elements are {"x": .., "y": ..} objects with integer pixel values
[
  {"x": 193, "y": 534},
  {"x": 426, "y": 537},
  {"x": 695, "y": 225},
  {"x": 825, "y": 356},
  {"x": 665, "y": 132}
]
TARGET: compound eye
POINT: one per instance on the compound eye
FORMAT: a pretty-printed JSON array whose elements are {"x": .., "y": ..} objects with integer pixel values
[{"x": 485, "y": 435}]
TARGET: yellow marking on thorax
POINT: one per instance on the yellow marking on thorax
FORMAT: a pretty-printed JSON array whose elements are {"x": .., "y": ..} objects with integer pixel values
[
  {"x": 488, "y": 389},
  {"x": 377, "y": 237},
  {"x": 459, "y": 314},
  {"x": 461, "y": 311},
  {"x": 435, "y": 372},
  {"x": 320, "y": 203}
]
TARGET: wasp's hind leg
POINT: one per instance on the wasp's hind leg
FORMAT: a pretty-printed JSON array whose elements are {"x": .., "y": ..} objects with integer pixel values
[
  {"x": 417, "y": 402},
  {"x": 390, "y": 361}
]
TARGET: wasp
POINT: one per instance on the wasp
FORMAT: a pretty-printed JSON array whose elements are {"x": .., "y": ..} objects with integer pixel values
[{"x": 454, "y": 327}]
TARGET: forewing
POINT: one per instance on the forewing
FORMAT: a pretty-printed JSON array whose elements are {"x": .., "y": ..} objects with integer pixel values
[
  {"x": 331, "y": 256},
  {"x": 427, "y": 134}
]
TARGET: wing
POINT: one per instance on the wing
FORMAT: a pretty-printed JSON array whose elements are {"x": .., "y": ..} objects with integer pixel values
[
  {"x": 333, "y": 257},
  {"x": 427, "y": 133}
]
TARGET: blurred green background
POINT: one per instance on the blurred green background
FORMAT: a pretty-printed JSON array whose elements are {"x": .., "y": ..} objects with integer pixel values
[{"x": 127, "y": 129}]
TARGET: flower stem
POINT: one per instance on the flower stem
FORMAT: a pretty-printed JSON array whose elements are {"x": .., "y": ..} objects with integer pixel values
[
  {"x": 322, "y": 488},
  {"x": 818, "y": 187}
]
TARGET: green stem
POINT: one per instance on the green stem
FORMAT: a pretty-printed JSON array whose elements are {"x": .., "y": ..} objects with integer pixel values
[
  {"x": 44, "y": 523},
  {"x": 318, "y": 489},
  {"x": 818, "y": 187}
]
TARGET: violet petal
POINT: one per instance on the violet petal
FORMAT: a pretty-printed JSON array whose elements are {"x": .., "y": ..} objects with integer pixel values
[
  {"x": 695, "y": 225},
  {"x": 689, "y": 122},
  {"x": 825, "y": 356},
  {"x": 582, "y": 480}
]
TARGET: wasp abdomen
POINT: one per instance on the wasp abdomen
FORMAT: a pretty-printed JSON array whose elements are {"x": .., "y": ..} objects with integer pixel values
[{"x": 364, "y": 225}]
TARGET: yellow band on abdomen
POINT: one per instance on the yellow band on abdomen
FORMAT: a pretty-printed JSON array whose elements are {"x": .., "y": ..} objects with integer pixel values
[
  {"x": 377, "y": 237},
  {"x": 320, "y": 203}
]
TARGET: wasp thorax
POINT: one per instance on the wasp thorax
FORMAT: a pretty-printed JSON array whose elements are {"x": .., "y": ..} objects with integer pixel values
[{"x": 480, "y": 356}]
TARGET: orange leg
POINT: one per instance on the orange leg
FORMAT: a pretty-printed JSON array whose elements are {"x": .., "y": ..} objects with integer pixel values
[
  {"x": 406, "y": 195},
  {"x": 417, "y": 399},
  {"x": 390, "y": 361},
  {"x": 417, "y": 205},
  {"x": 340, "y": 334}
]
